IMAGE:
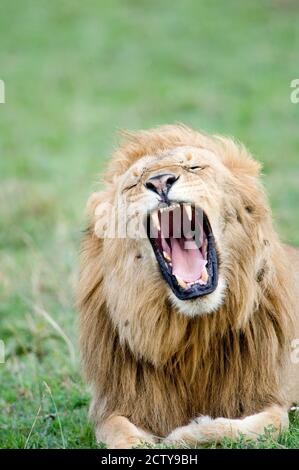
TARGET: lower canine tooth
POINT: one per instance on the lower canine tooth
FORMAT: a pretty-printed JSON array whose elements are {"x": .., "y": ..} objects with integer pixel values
[
  {"x": 181, "y": 282},
  {"x": 204, "y": 276},
  {"x": 166, "y": 256}
]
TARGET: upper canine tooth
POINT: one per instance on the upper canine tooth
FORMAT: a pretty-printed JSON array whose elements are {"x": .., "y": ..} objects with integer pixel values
[
  {"x": 156, "y": 221},
  {"x": 181, "y": 282},
  {"x": 189, "y": 212}
]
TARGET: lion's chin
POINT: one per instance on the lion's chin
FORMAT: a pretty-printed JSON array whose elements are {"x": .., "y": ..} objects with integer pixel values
[
  {"x": 184, "y": 246},
  {"x": 202, "y": 305}
]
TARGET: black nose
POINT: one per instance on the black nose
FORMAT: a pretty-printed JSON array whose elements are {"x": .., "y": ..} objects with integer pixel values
[{"x": 161, "y": 184}]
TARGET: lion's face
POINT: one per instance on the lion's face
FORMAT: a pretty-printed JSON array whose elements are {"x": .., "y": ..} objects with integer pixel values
[
  {"x": 172, "y": 208},
  {"x": 177, "y": 197},
  {"x": 182, "y": 223}
]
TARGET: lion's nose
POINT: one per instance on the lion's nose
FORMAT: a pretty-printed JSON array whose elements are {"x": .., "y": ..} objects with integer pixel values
[{"x": 162, "y": 183}]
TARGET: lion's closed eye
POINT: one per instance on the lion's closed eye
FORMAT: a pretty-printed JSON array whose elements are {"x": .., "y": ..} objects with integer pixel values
[
  {"x": 131, "y": 186},
  {"x": 195, "y": 168}
]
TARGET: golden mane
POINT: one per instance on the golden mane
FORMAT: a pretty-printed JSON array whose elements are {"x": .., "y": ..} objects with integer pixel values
[
  {"x": 154, "y": 141},
  {"x": 163, "y": 372}
]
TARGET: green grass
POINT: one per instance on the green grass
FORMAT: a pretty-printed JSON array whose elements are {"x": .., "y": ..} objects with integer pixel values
[{"x": 75, "y": 72}]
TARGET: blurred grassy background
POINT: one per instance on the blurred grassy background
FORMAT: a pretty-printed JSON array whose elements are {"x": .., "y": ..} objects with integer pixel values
[{"x": 75, "y": 72}]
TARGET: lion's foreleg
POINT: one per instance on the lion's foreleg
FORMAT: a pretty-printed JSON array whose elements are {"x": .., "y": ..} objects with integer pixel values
[
  {"x": 117, "y": 432},
  {"x": 207, "y": 430}
]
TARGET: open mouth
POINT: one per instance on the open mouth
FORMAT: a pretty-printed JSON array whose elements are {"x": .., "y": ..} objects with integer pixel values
[{"x": 184, "y": 246}]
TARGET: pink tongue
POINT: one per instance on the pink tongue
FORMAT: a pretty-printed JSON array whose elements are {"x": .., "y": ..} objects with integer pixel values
[{"x": 187, "y": 259}]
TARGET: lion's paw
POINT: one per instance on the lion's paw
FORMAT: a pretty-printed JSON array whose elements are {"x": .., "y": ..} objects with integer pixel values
[
  {"x": 141, "y": 439},
  {"x": 193, "y": 433},
  {"x": 130, "y": 443}
]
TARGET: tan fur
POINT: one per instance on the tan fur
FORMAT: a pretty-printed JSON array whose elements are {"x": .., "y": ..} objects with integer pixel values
[
  {"x": 121, "y": 433},
  {"x": 146, "y": 359},
  {"x": 206, "y": 430}
]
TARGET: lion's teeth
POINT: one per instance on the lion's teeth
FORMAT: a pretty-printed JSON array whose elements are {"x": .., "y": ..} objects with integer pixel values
[
  {"x": 189, "y": 212},
  {"x": 203, "y": 278},
  {"x": 156, "y": 221},
  {"x": 168, "y": 208},
  {"x": 204, "y": 275},
  {"x": 181, "y": 282},
  {"x": 166, "y": 256}
]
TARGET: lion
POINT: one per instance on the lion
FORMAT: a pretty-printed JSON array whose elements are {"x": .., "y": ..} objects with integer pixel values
[{"x": 189, "y": 317}]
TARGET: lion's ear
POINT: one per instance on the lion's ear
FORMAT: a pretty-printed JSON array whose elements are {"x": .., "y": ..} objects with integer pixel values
[
  {"x": 237, "y": 158},
  {"x": 99, "y": 211},
  {"x": 93, "y": 201}
]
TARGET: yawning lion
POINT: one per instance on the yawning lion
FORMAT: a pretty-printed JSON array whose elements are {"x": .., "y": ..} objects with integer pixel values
[{"x": 189, "y": 303}]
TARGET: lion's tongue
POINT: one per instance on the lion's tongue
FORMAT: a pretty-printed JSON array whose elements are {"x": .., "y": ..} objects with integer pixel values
[{"x": 187, "y": 259}]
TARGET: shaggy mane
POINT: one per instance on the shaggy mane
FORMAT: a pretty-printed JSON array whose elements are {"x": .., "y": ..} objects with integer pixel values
[{"x": 154, "y": 141}]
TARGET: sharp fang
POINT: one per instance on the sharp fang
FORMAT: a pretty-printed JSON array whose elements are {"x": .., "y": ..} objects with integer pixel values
[
  {"x": 166, "y": 256},
  {"x": 181, "y": 282},
  {"x": 205, "y": 247},
  {"x": 189, "y": 212},
  {"x": 156, "y": 221},
  {"x": 204, "y": 276}
]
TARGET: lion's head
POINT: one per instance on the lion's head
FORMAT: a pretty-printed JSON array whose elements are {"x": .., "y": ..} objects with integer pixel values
[{"x": 181, "y": 218}]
